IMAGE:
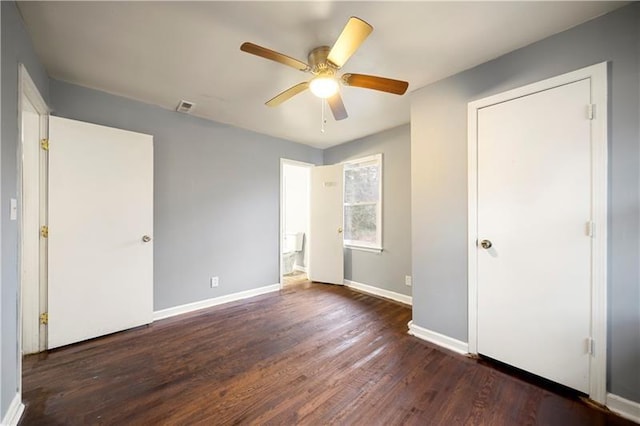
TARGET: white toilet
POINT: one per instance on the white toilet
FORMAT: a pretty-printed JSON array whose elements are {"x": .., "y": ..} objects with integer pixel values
[{"x": 292, "y": 246}]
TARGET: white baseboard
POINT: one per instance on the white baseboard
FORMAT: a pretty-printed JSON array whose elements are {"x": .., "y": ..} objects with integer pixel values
[
  {"x": 300, "y": 268},
  {"x": 402, "y": 298},
  {"x": 438, "y": 339},
  {"x": 16, "y": 408},
  {"x": 207, "y": 303},
  {"x": 625, "y": 408}
]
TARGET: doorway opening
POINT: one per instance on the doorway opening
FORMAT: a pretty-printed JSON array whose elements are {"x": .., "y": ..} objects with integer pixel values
[
  {"x": 29, "y": 209},
  {"x": 32, "y": 202},
  {"x": 294, "y": 221}
]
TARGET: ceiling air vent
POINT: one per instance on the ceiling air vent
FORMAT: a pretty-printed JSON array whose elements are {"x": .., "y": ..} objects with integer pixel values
[{"x": 185, "y": 106}]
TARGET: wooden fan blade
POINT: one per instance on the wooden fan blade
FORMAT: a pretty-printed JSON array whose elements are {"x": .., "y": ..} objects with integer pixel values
[
  {"x": 352, "y": 36},
  {"x": 337, "y": 107},
  {"x": 287, "y": 94},
  {"x": 382, "y": 84},
  {"x": 272, "y": 55}
]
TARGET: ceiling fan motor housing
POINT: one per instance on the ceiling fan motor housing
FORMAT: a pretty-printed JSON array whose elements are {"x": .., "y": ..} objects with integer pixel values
[{"x": 318, "y": 61}]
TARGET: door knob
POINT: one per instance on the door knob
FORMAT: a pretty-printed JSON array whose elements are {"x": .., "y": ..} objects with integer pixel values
[
  {"x": 146, "y": 238},
  {"x": 486, "y": 244},
  {"x": 340, "y": 230}
]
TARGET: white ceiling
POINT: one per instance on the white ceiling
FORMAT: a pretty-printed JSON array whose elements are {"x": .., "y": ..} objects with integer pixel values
[{"x": 161, "y": 52}]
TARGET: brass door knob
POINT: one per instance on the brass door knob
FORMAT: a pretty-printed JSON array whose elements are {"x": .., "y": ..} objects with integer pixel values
[
  {"x": 146, "y": 238},
  {"x": 340, "y": 230},
  {"x": 485, "y": 244}
]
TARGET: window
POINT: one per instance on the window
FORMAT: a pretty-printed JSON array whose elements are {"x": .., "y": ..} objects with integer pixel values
[{"x": 363, "y": 203}]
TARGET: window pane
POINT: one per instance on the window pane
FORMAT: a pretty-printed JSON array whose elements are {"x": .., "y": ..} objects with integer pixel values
[
  {"x": 360, "y": 223},
  {"x": 361, "y": 184}
]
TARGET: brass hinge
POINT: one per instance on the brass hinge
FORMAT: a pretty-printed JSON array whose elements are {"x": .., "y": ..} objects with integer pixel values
[
  {"x": 44, "y": 144},
  {"x": 44, "y": 318},
  {"x": 44, "y": 231}
]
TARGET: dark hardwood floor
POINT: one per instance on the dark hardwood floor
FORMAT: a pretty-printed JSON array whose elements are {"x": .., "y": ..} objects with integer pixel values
[{"x": 311, "y": 354}]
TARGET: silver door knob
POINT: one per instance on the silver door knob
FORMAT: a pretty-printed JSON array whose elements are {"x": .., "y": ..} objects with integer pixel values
[
  {"x": 486, "y": 244},
  {"x": 146, "y": 238}
]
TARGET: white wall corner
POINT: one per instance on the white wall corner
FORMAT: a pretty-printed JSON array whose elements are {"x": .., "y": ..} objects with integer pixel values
[
  {"x": 438, "y": 339},
  {"x": 624, "y": 407},
  {"x": 16, "y": 408},
  {"x": 376, "y": 291},
  {"x": 207, "y": 303}
]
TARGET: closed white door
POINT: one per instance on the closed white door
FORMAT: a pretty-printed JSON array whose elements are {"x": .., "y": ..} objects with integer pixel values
[
  {"x": 534, "y": 198},
  {"x": 100, "y": 271},
  {"x": 326, "y": 253}
]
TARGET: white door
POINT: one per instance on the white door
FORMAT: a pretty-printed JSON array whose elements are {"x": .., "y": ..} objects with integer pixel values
[
  {"x": 100, "y": 209},
  {"x": 534, "y": 189},
  {"x": 326, "y": 253}
]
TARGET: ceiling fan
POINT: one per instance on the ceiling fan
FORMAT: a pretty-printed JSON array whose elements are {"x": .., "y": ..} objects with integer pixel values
[{"x": 324, "y": 63}]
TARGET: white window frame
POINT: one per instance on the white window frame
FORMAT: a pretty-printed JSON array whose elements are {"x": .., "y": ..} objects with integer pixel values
[{"x": 363, "y": 245}]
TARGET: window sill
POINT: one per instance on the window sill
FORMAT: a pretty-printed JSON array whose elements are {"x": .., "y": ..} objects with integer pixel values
[{"x": 367, "y": 249}]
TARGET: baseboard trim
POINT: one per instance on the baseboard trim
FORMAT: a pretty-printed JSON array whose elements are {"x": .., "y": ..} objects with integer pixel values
[
  {"x": 207, "y": 303},
  {"x": 16, "y": 408},
  {"x": 626, "y": 408},
  {"x": 439, "y": 339},
  {"x": 300, "y": 268},
  {"x": 388, "y": 294}
]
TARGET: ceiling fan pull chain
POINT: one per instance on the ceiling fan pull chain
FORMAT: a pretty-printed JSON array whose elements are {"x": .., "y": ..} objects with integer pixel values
[{"x": 324, "y": 120}]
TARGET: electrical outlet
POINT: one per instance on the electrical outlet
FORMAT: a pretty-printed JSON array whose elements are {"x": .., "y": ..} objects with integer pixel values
[
  {"x": 214, "y": 282},
  {"x": 408, "y": 280}
]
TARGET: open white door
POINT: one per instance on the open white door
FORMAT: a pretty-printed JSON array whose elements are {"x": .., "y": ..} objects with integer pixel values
[
  {"x": 326, "y": 254},
  {"x": 100, "y": 223}
]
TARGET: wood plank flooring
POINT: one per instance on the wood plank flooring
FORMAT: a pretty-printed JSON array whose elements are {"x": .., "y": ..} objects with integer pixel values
[{"x": 311, "y": 354}]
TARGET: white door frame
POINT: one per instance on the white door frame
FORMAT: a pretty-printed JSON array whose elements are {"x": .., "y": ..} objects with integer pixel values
[
  {"x": 598, "y": 75},
  {"x": 281, "y": 229},
  {"x": 28, "y": 317}
]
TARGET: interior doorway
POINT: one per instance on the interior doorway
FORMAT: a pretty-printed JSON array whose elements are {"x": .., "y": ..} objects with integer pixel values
[
  {"x": 294, "y": 221},
  {"x": 31, "y": 205}
]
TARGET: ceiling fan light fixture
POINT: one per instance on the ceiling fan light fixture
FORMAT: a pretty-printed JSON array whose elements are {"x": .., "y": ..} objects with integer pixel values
[
  {"x": 324, "y": 63},
  {"x": 324, "y": 87}
]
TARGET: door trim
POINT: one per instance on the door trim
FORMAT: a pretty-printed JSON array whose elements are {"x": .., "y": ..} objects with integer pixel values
[
  {"x": 599, "y": 158},
  {"x": 28, "y": 317},
  {"x": 283, "y": 162}
]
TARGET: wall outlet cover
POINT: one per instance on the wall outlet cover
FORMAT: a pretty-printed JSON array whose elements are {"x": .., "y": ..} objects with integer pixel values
[
  {"x": 408, "y": 280},
  {"x": 214, "y": 282}
]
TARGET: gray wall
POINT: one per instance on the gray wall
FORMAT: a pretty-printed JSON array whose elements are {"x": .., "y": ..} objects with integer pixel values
[
  {"x": 16, "y": 48},
  {"x": 216, "y": 194},
  {"x": 385, "y": 270},
  {"x": 439, "y": 179}
]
